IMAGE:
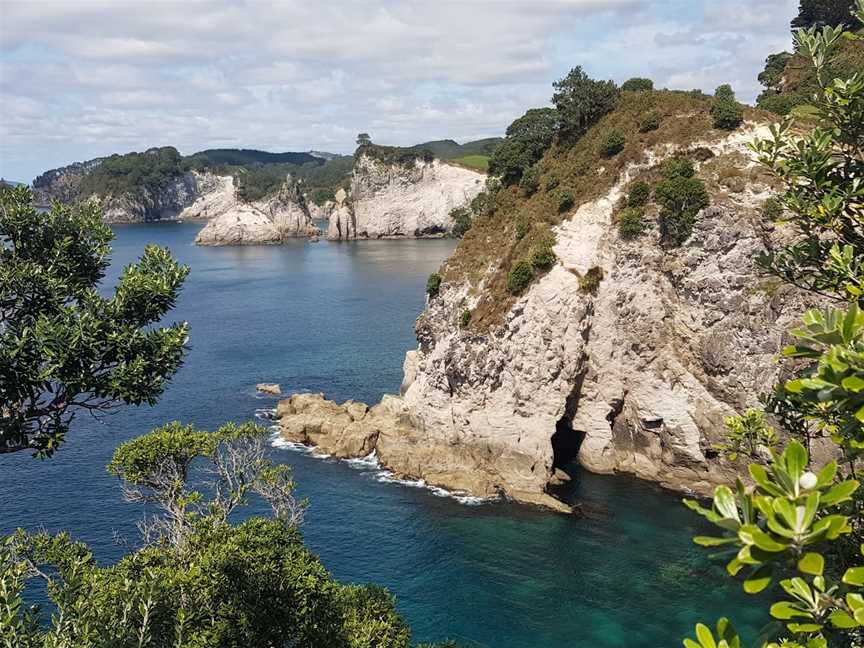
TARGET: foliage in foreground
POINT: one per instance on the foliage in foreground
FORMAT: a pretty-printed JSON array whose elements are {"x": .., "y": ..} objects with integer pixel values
[
  {"x": 198, "y": 580},
  {"x": 796, "y": 528},
  {"x": 64, "y": 348}
]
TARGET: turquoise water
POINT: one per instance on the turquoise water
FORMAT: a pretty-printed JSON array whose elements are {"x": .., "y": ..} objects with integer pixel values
[{"x": 338, "y": 318}]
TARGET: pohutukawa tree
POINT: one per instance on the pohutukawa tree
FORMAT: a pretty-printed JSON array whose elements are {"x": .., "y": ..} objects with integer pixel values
[
  {"x": 65, "y": 346},
  {"x": 797, "y": 524}
]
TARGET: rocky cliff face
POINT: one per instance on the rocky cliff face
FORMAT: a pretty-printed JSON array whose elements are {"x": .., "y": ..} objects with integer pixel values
[
  {"x": 633, "y": 377},
  {"x": 148, "y": 205},
  {"x": 396, "y": 200},
  {"x": 636, "y": 377},
  {"x": 62, "y": 184},
  {"x": 281, "y": 216}
]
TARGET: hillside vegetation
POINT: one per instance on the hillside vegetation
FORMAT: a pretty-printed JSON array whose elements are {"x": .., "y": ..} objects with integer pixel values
[
  {"x": 472, "y": 155},
  {"x": 257, "y": 173},
  {"x": 511, "y": 237}
]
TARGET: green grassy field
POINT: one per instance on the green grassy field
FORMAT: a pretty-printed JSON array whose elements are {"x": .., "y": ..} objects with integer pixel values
[{"x": 477, "y": 162}]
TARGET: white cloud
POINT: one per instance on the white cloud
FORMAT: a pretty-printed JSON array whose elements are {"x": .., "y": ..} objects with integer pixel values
[{"x": 80, "y": 78}]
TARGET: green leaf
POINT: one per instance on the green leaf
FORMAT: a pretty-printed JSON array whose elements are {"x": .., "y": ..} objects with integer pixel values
[
  {"x": 785, "y": 610},
  {"x": 803, "y": 628},
  {"x": 795, "y": 459},
  {"x": 710, "y": 541},
  {"x": 703, "y": 634},
  {"x": 724, "y": 502},
  {"x": 752, "y": 535},
  {"x": 689, "y": 643},
  {"x": 826, "y": 475},
  {"x": 853, "y": 384},
  {"x": 854, "y": 576},
  {"x": 811, "y": 563},
  {"x": 841, "y": 492},
  {"x": 759, "y": 579},
  {"x": 841, "y": 619}
]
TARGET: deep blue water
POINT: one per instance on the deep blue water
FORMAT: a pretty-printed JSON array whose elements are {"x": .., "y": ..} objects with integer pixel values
[{"x": 338, "y": 318}]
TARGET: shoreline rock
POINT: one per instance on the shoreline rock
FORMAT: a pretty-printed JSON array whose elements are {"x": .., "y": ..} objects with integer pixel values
[
  {"x": 271, "y": 221},
  {"x": 269, "y": 388},
  {"x": 354, "y": 430}
]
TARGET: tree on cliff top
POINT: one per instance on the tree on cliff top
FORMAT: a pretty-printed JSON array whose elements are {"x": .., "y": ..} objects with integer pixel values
[
  {"x": 821, "y": 13},
  {"x": 363, "y": 139},
  {"x": 581, "y": 101},
  {"x": 64, "y": 348},
  {"x": 526, "y": 140}
]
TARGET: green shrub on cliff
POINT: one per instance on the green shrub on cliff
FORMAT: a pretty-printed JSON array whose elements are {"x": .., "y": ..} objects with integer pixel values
[
  {"x": 639, "y": 193},
  {"x": 433, "y": 284},
  {"x": 637, "y": 84},
  {"x": 530, "y": 182},
  {"x": 64, "y": 347},
  {"x": 581, "y": 101},
  {"x": 630, "y": 222},
  {"x": 461, "y": 218},
  {"x": 590, "y": 281},
  {"x": 612, "y": 143},
  {"x": 541, "y": 252},
  {"x": 682, "y": 196},
  {"x": 649, "y": 122},
  {"x": 519, "y": 277},
  {"x": 727, "y": 113},
  {"x": 564, "y": 199}
]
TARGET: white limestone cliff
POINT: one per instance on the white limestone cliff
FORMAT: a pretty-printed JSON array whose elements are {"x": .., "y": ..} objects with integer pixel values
[
  {"x": 272, "y": 220},
  {"x": 402, "y": 200}
]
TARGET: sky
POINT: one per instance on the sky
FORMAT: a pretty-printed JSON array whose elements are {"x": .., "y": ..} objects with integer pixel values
[{"x": 81, "y": 79}]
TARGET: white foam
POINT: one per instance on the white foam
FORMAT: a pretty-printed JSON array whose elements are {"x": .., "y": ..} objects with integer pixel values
[
  {"x": 265, "y": 414},
  {"x": 371, "y": 463}
]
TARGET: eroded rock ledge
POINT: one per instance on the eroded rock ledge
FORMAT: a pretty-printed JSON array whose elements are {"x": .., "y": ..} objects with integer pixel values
[{"x": 354, "y": 430}]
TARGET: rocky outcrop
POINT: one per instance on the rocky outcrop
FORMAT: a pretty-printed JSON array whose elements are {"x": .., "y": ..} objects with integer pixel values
[
  {"x": 270, "y": 221},
  {"x": 354, "y": 430},
  {"x": 636, "y": 377},
  {"x": 242, "y": 225},
  {"x": 192, "y": 195},
  {"x": 215, "y": 195},
  {"x": 402, "y": 200},
  {"x": 342, "y": 225}
]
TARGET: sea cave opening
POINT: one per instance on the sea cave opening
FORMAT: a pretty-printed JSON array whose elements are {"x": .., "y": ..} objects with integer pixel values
[
  {"x": 565, "y": 445},
  {"x": 564, "y": 481}
]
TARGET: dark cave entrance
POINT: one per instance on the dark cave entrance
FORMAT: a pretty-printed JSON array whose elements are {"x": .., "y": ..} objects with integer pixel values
[{"x": 565, "y": 445}]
